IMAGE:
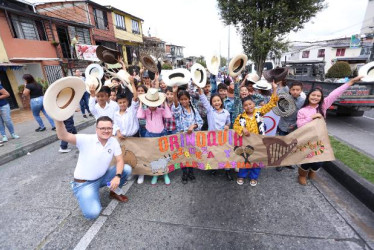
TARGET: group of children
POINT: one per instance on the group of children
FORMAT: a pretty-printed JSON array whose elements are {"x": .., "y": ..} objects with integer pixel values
[{"x": 151, "y": 109}]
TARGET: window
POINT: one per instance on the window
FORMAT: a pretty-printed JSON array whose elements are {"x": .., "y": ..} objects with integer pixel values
[
  {"x": 305, "y": 54},
  {"x": 26, "y": 28},
  {"x": 340, "y": 52},
  {"x": 101, "y": 19},
  {"x": 120, "y": 22},
  {"x": 83, "y": 34},
  {"x": 135, "y": 27},
  {"x": 321, "y": 53}
]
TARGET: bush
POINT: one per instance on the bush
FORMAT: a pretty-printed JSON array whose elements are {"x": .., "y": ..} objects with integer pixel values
[
  {"x": 339, "y": 70},
  {"x": 42, "y": 82},
  {"x": 167, "y": 66},
  {"x": 21, "y": 88}
]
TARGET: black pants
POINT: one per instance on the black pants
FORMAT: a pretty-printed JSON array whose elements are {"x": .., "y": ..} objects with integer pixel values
[
  {"x": 187, "y": 170},
  {"x": 69, "y": 125},
  {"x": 312, "y": 166}
]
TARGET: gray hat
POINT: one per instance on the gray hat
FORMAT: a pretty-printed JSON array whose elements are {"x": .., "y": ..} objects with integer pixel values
[{"x": 285, "y": 105}]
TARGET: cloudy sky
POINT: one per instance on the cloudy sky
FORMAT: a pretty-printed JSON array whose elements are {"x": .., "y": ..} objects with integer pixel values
[{"x": 196, "y": 25}]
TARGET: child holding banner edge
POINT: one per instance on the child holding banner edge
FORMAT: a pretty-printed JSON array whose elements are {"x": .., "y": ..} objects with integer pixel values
[
  {"x": 188, "y": 120},
  {"x": 249, "y": 122},
  {"x": 315, "y": 106}
]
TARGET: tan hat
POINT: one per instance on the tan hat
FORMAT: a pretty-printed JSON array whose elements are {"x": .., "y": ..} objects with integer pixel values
[
  {"x": 63, "y": 96},
  {"x": 123, "y": 75},
  {"x": 91, "y": 80},
  {"x": 253, "y": 77},
  {"x": 149, "y": 63},
  {"x": 276, "y": 75},
  {"x": 152, "y": 98},
  {"x": 237, "y": 64},
  {"x": 285, "y": 106},
  {"x": 176, "y": 77},
  {"x": 107, "y": 55},
  {"x": 95, "y": 70},
  {"x": 213, "y": 64},
  {"x": 198, "y": 74},
  {"x": 367, "y": 71},
  {"x": 262, "y": 84}
]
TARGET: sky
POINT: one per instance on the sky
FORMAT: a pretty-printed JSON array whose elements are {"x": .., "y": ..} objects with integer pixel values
[{"x": 196, "y": 24}]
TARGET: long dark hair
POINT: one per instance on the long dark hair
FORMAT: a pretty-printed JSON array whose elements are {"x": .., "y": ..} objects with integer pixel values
[
  {"x": 182, "y": 93},
  {"x": 214, "y": 95},
  {"x": 29, "y": 78},
  {"x": 319, "y": 108}
]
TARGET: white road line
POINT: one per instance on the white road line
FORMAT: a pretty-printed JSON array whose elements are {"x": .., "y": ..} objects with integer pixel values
[
  {"x": 95, "y": 228},
  {"x": 371, "y": 118}
]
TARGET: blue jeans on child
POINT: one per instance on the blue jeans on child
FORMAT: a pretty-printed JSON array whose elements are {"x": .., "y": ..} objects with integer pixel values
[
  {"x": 149, "y": 134},
  {"x": 253, "y": 173},
  {"x": 87, "y": 193},
  {"x": 173, "y": 132},
  {"x": 37, "y": 106},
  {"x": 5, "y": 119}
]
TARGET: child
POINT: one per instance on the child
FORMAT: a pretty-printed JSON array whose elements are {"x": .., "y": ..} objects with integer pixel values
[
  {"x": 154, "y": 116},
  {"x": 102, "y": 107},
  {"x": 142, "y": 89},
  {"x": 218, "y": 117},
  {"x": 170, "y": 124},
  {"x": 227, "y": 102},
  {"x": 315, "y": 106},
  {"x": 198, "y": 104},
  {"x": 288, "y": 124},
  {"x": 246, "y": 123},
  {"x": 125, "y": 120},
  {"x": 113, "y": 95},
  {"x": 188, "y": 120}
]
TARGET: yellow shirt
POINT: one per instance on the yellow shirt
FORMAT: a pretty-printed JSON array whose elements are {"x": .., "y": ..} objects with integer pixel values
[{"x": 251, "y": 124}]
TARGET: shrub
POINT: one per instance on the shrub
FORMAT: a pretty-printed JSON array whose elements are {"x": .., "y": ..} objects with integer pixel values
[
  {"x": 339, "y": 70},
  {"x": 167, "y": 66}
]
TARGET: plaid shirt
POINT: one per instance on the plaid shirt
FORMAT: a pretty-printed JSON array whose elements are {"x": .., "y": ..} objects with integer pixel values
[
  {"x": 169, "y": 123},
  {"x": 196, "y": 100},
  {"x": 184, "y": 119}
]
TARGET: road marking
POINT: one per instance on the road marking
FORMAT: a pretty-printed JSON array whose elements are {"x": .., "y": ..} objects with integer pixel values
[
  {"x": 368, "y": 117},
  {"x": 99, "y": 222}
]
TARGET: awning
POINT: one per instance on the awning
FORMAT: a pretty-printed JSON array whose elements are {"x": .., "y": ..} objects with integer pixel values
[
  {"x": 13, "y": 66},
  {"x": 34, "y": 59}
]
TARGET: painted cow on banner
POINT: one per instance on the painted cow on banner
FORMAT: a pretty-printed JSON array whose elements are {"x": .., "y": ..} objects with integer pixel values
[{"x": 160, "y": 165}]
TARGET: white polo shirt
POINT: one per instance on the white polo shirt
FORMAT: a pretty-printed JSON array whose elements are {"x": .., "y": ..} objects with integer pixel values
[
  {"x": 127, "y": 123},
  {"x": 98, "y": 111},
  {"x": 94, "y": 158}
]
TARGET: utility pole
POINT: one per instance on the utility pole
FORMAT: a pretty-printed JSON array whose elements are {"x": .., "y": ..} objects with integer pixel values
[{"x": 228, "y": 49}]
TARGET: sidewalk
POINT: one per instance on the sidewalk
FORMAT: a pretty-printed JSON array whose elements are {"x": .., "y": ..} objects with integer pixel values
[{"x": 24, "y": 126}]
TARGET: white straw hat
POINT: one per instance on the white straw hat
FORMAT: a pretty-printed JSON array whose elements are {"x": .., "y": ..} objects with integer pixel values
[
  {"x": 213, "y": 64},
  {"x": 367, "y": 71},
  {"x": 198, "y": 74},
  {"x": 153, "y": 98},
  {"x": 123, "y": 75},
  {"x": 237, "y": 64},
  {"x": 176, "y": 77},
  {"x": 262, "y": 84},
  {"x": 91, "y": 80},
  {"x": 95, "y": 70}
]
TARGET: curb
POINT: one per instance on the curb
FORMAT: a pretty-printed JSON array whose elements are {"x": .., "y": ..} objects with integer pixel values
[
  {"x": 19, "y": 152},
  {"x": 358, "y": 186}
]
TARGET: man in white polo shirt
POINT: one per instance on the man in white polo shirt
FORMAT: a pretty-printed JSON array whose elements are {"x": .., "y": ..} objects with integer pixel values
[{"x": 93, "y": 171}]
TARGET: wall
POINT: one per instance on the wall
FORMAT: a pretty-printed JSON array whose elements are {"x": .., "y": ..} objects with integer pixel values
[
  {"x": 127, "y": 35},
  {"x": 75, "y": 12}
]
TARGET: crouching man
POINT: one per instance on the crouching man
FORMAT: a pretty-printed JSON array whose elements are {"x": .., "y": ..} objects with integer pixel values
[{"x": 93, "y": 171}]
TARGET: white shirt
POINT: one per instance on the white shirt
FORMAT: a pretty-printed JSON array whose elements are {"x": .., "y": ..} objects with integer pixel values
[
  {"x": 94, "y": 158},
  {"x": 128, "y": 123},
  {"x": 98, "y": 111},
  {"x": 114, "y": 105}
]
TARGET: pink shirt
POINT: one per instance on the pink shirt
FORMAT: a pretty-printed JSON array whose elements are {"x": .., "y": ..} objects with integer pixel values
[
  {"x": 154, "y": 119},
  {"x": 305, "y": 114}
]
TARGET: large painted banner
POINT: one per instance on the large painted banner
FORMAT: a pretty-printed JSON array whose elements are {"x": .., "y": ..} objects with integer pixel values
[
  {"x": 207, "y": 150},
  {"x": 86, "y": 52}
]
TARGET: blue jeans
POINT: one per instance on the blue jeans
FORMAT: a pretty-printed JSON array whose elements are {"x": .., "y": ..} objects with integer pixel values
[
  {"x": 84, "y": 103},
  {"x": 69, "y": 125},
  {"x": 5, "y": 118},
  {"x": 173, "y": 132},
  {"x": 142, "y": 131},
  {"x": 87, "y": 193},
  {"x": 149, "y": 134},
  {"x": 253, "y": 173},
  {"x": 37, "y": 106},
  {"x": 213, "y": 84}
]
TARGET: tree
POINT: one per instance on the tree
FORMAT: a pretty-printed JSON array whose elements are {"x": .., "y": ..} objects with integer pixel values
[
  {"x": 201, "y": 60},
  {"x": 223, "y": 61},
  {"x": 339, "y": 70},
  {"x": 262, "y": 24}
]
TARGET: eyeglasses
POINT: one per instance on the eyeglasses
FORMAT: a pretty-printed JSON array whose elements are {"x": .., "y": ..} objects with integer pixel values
[{"x": 105, "y": 128}]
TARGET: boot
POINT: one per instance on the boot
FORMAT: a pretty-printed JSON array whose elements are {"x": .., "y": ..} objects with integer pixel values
[
  {"x": 312, "y": 174},
  {"x": 302, "y": 176},
  {"x": 166, "y": 179},
  {"x": 154, "y": 180}
]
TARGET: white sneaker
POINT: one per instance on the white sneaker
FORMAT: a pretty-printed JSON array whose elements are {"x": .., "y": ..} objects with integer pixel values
[
  {"x": 140, "y": 179},
  {"x": 64, "y": 150}
]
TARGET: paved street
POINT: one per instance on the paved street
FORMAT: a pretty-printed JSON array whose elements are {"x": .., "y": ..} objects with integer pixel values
[
  {"x": 358, "y": 132},
  {"x": 39, "y": 211}
]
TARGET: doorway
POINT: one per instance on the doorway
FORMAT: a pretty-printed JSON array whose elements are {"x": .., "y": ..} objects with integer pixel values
[
  {"x": 6, "y": 85},
  {"x": 63, "y": 37}
]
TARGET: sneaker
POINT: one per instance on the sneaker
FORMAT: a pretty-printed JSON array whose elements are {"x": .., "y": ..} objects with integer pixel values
[
  {"x": 184, "y": 178},
  {"x": 253, "y": 182},
  {"x": 154, "y": 180},
  {"x": 14, "y": 136},
  {"x": 191, "y": 176},
  {"x": 5, "y": 139},
  {"x": 64, "y": 150},
  {"x": 84, "y": 116},
  {"x": 90, "y": 114},
  {"x": 54, "y": 128},
  {"x": 40, "y": 129},
  {"x": 166, "y": 179},
  {"x": 140, "y": 179}
]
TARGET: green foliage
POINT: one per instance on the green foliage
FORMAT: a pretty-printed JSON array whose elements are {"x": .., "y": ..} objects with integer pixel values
[
  {"x": 355, "y": 160},
  {"x": 201, "y": 60},
  {"x": 263, "y": 24},
  {"x": 21, "y": 88},
  {"x": 223, "y": 61},
  {"x": 339, "y": 70},
  {"x": 42, "y": 82},
  {"x": 166, "y": 66}
]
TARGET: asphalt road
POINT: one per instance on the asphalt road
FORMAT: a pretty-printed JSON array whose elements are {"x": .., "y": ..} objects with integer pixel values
[
  {"x": 38, "y": 211},
  {"x": 358, "y": 132}
]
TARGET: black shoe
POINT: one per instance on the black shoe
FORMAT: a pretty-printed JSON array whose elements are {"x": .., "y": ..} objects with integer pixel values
[
  {"x": 184, "y": 178},
  {"x": 38, "y": 129},
  {"x": 228, "y": 175},
  {"x": 289, "y": 167},
  {"x": 42, "y": 129},
  {"x": 279, "y": 169},
  {"x": 54, "y": 128},
  {"x": 213, "y": 172},
  {"x": 84, "y": 116},
  {"x": 90, "y": 114},
  {"x": 191, "y": 176}
]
